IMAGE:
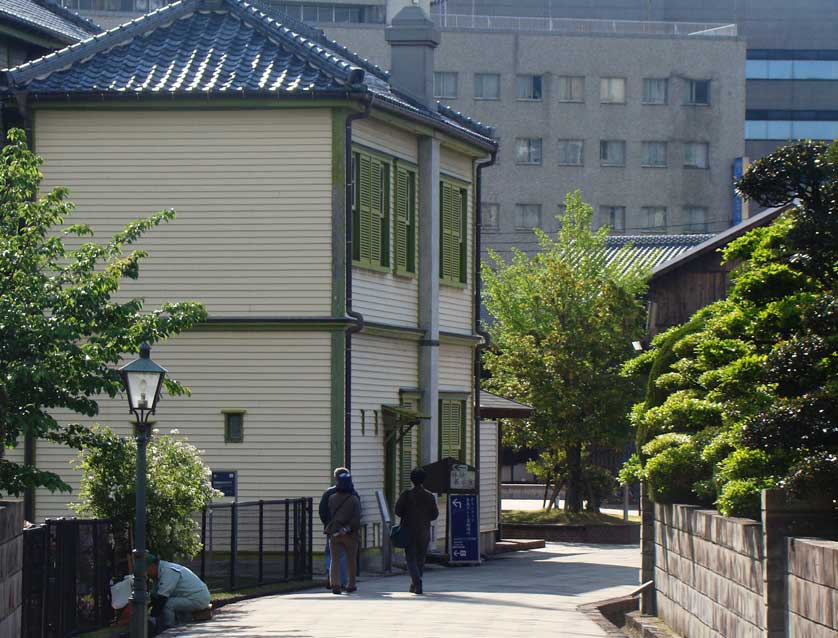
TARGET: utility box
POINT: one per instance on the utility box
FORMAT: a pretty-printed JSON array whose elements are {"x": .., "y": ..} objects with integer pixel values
[{"x": 450, "y": 476}]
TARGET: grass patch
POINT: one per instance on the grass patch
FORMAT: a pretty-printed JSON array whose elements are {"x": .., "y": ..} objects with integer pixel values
[{"x": 560, "y": 517}]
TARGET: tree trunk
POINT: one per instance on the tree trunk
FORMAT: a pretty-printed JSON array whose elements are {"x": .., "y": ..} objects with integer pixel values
[
  {"x": 555, "y": 494},
  {"x": 573, "y": 496},
  {"x": 544, "y": 502}
]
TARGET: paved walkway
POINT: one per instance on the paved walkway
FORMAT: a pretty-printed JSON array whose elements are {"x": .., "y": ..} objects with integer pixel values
[{"x": 527, "y": 594}]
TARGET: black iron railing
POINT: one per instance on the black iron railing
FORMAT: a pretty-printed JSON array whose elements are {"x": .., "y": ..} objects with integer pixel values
[
  {"x": 255, "y": 543},
  {"x": 68, "y": 564}
]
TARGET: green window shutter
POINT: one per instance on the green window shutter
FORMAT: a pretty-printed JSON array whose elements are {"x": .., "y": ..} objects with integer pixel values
[
  {"x": 405, "y": 461},
  {"x": 402, "y": 220},
  {"x": 356, "y": 209},
  {"x": 462, "y": 249},
  {"x": 375, "y": 212},
  {"x": 365, "y": 202},
  {"x": 450, "y": 429}
]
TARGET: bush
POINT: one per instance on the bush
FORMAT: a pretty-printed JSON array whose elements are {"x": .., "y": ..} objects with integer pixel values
[
  {"x": 179, "y": 485},
  {"x": 741, "y": 497},
  {"x": 665, "y": 441},
  {"x": 672, "y": 473},
  {"x": 601, "y": 484}
]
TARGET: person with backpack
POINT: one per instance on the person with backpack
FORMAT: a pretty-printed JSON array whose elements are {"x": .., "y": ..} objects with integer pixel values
[
  {"x": 416, "y": 508},
  {"x": 343, "y": 529},
  {"x": 323, "y": 511}
]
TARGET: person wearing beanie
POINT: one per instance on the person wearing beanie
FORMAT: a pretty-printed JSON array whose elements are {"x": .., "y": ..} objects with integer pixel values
[
  {"x": 343, "y": 530},
  {"x": 325, "y": 516},
  {"x": 417, "y": 508}
]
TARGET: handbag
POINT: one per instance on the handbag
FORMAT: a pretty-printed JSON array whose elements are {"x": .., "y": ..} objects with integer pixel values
[{"x": 399, "y": 536}]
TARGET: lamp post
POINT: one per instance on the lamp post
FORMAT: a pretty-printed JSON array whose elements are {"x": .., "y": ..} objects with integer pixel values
[{"x": 143, "y": 380}]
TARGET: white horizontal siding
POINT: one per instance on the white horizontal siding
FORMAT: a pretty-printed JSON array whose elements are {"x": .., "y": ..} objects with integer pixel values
[
  {"x": 456, "y": 164},
  {"x": 455, "y": 375},
  {"x": 252, "y": 191},
  {"x": 456, "y": 304},
  {"x": 488, "y": 476},
  {"x": 384, "y": 297},
  {"x": 380, "y": 367},
  {"x": 282, "y": 379}
]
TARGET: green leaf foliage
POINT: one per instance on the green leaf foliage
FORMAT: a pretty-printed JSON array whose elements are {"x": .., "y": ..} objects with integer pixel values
[
  {"x": 62, "y": 332},
  {"x": 179, "y": 485},
  {"x": 752, "y": 381},
  {"x": 562, "y": 326}
]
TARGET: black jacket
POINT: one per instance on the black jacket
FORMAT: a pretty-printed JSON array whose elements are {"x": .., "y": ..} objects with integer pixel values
[
  {"x": 417, "y": 508},
  {"x": 323, "y": 509}
]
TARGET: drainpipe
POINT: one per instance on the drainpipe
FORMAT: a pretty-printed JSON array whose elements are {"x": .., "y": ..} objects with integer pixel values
[
  {"x": 478, "y": 368},
  {"x": 357, "y": 316}
]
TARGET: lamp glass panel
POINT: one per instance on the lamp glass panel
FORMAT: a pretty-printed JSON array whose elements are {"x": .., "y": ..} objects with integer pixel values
[{"x": 143, "y": 388}]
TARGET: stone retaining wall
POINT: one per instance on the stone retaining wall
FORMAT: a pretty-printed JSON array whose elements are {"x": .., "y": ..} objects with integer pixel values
[
  {"x": 619, "y": 534},
  {"x": 11, "y": 564},
  {"x": 708, "y": 573},
  {"x": 812, "y": 588}
]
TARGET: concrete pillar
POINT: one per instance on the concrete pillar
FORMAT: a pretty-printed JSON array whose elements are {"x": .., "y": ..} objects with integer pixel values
[
  {"x": 647, "y": 549},
  {"x": 429, "y": 294},
  {"x": 783, "y": 517}
]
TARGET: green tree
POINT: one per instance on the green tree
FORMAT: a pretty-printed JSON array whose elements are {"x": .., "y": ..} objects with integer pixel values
[
  {"x": 61, "y": 331},
  {"x": 752, "y": 381},
  {"x": 179, "y": 485},
  {"x": 563, "y": 323}
]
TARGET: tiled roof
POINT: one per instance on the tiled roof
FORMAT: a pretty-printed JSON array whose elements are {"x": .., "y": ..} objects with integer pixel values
[
  {"x": 653, "y": 250},
  {"x": 222, "y": 47},
  {"x": 48, "y": 18},
  {"x": 493, "y": 406}
]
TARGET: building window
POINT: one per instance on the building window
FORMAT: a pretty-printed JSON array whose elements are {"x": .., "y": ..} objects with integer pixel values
[
  {"x": 655, "y": 90},
  {"x": 528, "y": 87},
  {"x": 696, "y": 219},
  {"x": 697, "y": 92},
  {"x": 571, "y": 152},
  {"x": 452, "y": 429},
  {"x": 612, "y": 90},
  {"x": 528, "y": 150},
  {"x": 486, "y": 86},
  {"x": 654, "y": 154},
  {"x": 371, "y": 212},
  {"x": 404, "y": 235},
  {"x": 571, "y": 88},
  {"x": 491, "y": 216},
  {"x": 612, "y": 153},
  {"x": 696, "y": 154},
  {"x": 527, "y": 216},
  {"x": 405, "y": 460},
  {"x": 445, "y": 84},
  {"x": 234, "y": 426},
  {"x": 614, "y": 217},
  {"x": 453, "y": 242},
  {"x": 654, "y": 218}
]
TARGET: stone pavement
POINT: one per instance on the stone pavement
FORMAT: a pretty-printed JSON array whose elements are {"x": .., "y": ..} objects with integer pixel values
[{"x": 528, "y": 594}]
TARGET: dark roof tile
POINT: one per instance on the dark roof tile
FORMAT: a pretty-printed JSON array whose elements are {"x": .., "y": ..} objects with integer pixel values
[{"x": 49, "y": 18}]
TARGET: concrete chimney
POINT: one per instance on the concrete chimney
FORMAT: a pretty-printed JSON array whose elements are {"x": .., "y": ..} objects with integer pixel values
[{"x": 413, "y": 37}]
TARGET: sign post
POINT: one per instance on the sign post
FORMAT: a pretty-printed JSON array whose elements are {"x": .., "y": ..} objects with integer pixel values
[{"x": 463, "y": 529}]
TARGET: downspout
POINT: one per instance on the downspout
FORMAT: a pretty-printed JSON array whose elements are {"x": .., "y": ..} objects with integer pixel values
[
  {"x": 478, "y": 368},
  {"x": 357, "y": 316}
]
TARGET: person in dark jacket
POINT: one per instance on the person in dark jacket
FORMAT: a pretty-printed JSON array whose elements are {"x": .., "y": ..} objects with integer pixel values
[
  {"x": 323, "y": 510},
  {"x": 343, "y": 530},
  {"x": 416, "y": 508}
]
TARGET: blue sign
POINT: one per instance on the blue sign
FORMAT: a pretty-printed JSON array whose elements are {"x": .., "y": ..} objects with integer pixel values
[
  {"x": 225, "y": 482},
  {"x": 463, "y": 529}
]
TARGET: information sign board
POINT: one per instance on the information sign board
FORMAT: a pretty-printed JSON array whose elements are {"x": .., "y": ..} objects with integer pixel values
[
  {"x": 463, "y": 529},
  {"x": 225, "y": 482},
  {"x": 463, "y": 477}
]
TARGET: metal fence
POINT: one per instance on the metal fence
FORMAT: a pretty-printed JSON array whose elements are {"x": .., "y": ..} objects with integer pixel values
[
  {"x": 255, "y": 543},
  {"x": 574, "y": 25},
  {"x": 68, "y": 564}
]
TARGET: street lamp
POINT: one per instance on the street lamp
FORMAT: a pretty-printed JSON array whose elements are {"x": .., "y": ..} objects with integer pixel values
[{"x": 143, "y": 380}]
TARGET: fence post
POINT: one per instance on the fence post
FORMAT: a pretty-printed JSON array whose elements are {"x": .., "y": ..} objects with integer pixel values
[
  {"x": 203, "y": 544},
  {"x": 234, "y": 530},
  {"x": 261, "y": 540},
  {"x": 647, "y": 549},
  {"x": 286, "y": 539}
]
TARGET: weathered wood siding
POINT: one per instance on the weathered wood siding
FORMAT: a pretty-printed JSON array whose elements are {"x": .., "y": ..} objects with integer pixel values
[
  {"x": 456, "y": 311},
  {"x": 380, "y": 367},
  {"x": 252, "y": 191},
  {"x": 282, "y": 379},
  {"x": 488, "y": 476},
  {"x": 384, "y": 297}
]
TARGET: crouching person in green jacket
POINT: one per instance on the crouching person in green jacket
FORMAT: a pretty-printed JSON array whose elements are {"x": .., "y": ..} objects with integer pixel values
[{"x": 177, "y": 592}]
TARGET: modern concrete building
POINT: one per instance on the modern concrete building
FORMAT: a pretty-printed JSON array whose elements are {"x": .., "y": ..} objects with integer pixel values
[{"x": 644, "y": 118}]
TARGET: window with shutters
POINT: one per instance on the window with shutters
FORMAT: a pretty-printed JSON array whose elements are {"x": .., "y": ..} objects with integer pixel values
[
  {"x": 371, "y": 212},
  {"x": 405, "y": 460},
  {"x": 453, "y": 233},
  {"x": 452, "y": 429},
  {"x": 404, "y": 221}
]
